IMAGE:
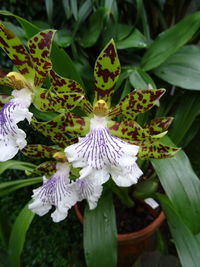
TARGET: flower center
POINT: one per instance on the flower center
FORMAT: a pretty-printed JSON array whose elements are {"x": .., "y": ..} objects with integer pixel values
[
  {"x": 100, "y": 108},
  {"x": 17, "y": 81}
]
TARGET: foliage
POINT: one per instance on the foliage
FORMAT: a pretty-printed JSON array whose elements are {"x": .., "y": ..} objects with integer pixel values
[{"x": 152, "y": 50}]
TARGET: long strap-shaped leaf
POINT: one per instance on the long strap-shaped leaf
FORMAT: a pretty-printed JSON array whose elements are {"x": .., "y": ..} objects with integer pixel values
[
  {"x": 18, "y": 235},
  {"x": 182, "y": 186},
  {"x": 170, "y": 41},
  {"x": 100, "y": 234},
  {"x": 186, "y": 242}
]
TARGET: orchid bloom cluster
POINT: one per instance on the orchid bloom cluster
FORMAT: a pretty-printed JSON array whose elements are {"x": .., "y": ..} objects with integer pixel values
[{"x": 88, "y": 150}]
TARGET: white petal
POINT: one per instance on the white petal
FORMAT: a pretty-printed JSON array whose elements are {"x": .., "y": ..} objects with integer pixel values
[
  {"x": 39, "y": 208},
  {"x": 88, "y": 190},
  {"x": 127, "y": 176},
  {"x": 56, "y": 191}
]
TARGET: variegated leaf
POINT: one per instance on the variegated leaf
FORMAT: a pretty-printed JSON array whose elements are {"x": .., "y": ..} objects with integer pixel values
[
  {"x": 158, "y": 125},
  {"x": 106, "y": 72},
  {"x": 39, "y": 151},
  {"x": 13, "y": 47},
  {"x": 71, "y": 87},
  {"x": 46, "y": 168},
  {"x": 4, "y": 99},
  {"x": 138, "y": 101},
  {"x": 40, "y": 49}
]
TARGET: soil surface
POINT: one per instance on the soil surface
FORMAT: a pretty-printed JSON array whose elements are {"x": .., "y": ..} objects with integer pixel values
[{"x": 134, "y": 218}]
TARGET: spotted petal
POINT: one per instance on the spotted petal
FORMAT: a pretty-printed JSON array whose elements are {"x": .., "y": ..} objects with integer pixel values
[
  {"x": 45, "y": 168},
  {"x": 106, "y": 73},
  {"x": 75, "y": 92},
  {"x": 39, "y": 151},
  {"x": 158, "y": 125},
  {"x": 40, "y": 48},
  {"x": 47, "y": 100},
  {"x": 13, "y": 47},
  {"x": 138, "y": 101}
]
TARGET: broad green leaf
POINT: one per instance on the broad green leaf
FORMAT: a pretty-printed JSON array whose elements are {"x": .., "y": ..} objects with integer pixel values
[
  {"x": 49, "y": 9},
  {"x": 169, "y": 41},
  {"x": 13, "y": 47},
  {"x": 135, "y": 39},
  {"x": 94, "y": 28},
  {"x": 186, "y": 242},
  {"x": 40, "y": 47},
  {"x": 8, "y": 187},
  {"x": 181, "y": 186},
  {"x": 182, "y": 69},
  {"x": 139, "y": 79},
  {"x": 63, "y": 37},
  {"x": 100, "y": 234},
  {"x": 186, "y": 112},
  {"x": 39, "y": 151},
  {"x": 106, "y": 72},
  {"x": 16, "y": 165},
  {"x": 136, "y": 102},
  {"x": 18, "y": 235}
]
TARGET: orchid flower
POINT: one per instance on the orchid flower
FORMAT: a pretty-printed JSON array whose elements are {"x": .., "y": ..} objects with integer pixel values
[
  {"x": 98, "y": 144},
  {"x": 33, "y": 68},
  {"x": 101, "y": 154}
]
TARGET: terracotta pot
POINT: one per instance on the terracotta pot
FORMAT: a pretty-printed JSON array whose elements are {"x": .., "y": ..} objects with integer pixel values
[{"x": 131, "y": 245}]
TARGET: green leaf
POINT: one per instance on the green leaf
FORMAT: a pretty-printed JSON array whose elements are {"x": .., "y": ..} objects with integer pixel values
[
  {"x": 139, "y": 79},
  {"x": 49, "y": 9},
  {"x": 8, "y": 187},
  {"x": 63, "y": 37},
  {"x": 181, "y": 186},
  {"x": 136, "y": 102},
  {"x": 16, "y": 165},
  {"x": 18, "y": 235},
  {"x": 187, "y": 244},
  {"x": 94, "y": 28},
  {"x": 100, "y": 234},
  {"x": 106, "y": 72},
  {"x": 169, "y": 41},
  {"x": 186, "y": 112},
  {"x": 135, "y": 39},
  {"x": 182, "y": 69}
]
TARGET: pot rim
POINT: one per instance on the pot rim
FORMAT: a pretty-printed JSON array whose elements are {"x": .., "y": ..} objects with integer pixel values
[{"x": 146, "y": 231}]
